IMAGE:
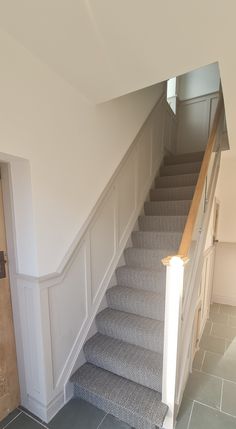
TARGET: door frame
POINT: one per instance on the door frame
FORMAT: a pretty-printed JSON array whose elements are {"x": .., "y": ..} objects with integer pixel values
[{"x": 12, "y": 268}]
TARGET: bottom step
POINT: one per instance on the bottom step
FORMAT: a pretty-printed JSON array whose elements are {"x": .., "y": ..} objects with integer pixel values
[{"x": 132, "y": 403}]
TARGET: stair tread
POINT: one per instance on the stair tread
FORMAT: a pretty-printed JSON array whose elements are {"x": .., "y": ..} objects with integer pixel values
[
  {"x": 137, "y": 405},
  {"x": 141, "y": 331},
  {"x": 127, "y": 360},
  {"x": 137, "y": 301}
]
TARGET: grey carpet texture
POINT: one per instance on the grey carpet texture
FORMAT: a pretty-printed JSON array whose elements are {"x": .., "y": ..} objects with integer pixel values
[{"x": 123, "y": 373}]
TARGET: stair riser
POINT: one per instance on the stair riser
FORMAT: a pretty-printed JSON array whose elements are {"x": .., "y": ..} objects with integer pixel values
[
  {"x": 162, "y": 223},
  {"x": 155, "y": 308},
  {"x": 145, "y": 259},
  {"x": 155, "y": 240},
  {"x": 112, "y": 408},
  {"x": 151, "y": 340},
  {"x": 181, "y": 159},
  {"x": 167, "y": 208},
  {"x": 146, "y": 280},
  {"x": 180, "y": 180},
  {"x": 170, "y": 194},
  {"x": 147, "y": 374},
  {"x": 169, "y": 170},
  {"x": 132, "y": 403}
]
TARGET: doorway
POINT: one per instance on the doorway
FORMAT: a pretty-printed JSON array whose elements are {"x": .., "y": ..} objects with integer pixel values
[{"x": 9, "y": 382}]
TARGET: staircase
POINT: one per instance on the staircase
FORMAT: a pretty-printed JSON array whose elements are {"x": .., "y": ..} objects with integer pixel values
[{"x": 123, "y": 373}]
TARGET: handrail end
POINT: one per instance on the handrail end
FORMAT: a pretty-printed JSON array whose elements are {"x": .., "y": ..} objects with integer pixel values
[{"x": 175, "y": 260}]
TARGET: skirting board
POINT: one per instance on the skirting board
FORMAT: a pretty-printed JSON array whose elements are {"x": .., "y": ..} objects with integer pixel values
[
  {"x": 221, "y": 299},
  {"x": 46, "y": 413}
]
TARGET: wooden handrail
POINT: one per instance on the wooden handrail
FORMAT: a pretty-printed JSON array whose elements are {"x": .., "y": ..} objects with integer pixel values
[{"x": 192, "y": 216}]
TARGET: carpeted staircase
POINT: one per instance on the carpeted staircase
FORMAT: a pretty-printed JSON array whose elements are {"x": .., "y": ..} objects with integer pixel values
[{"x": 123, "y": 373}]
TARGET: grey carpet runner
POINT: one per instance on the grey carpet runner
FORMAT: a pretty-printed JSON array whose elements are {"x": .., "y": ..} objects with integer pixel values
[{"x": 123, "y": 373}]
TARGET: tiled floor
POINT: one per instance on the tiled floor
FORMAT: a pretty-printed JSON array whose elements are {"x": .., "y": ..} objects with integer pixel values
[
  {"x": 77, "y": 414},
  {"x": 210, "y": 396}
]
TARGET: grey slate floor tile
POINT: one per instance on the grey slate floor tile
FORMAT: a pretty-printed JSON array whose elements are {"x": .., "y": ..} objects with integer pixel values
[
  {"x": 229, "y": 309},
  {"x": 111, "y": 422},
  {"x": 229, "y": 398},
  {"x": 184, "y": 413},
  {"x": 219, "y": 317},
  {"x": 230, "y": 349},
  {"x": 198, "y": 359},
  {"x": 210, "y": 398},
  {"x": 9, "y": 418},
  {"x": 223, "y": 331},
  {"x": 208, "y": 327},
  {"x": 24, "y": 422},
  {"x": 204, "y": 417},
  {"x": 77, "y": 414},
  {"x": 204, "y": 388},
  {"x": 212, "y": 344},
  {"x": 220, "y": 366},
  {"x": 215, "y": 308},
  {"x": 232, "y": 321}
]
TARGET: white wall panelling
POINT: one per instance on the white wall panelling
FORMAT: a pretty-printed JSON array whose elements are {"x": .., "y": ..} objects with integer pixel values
[
  {"x": 224, "y": 290},
  {"x": 202, "y": 81},
  {"x": 58, "y": 310},
  {"x": 194, "y": 121},
  {"x": 170, "y": 129},
  {"x": 206, "y": 285}
]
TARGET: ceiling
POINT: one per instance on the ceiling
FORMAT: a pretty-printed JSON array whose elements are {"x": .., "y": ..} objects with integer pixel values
[{"x": 107, "y": 48}]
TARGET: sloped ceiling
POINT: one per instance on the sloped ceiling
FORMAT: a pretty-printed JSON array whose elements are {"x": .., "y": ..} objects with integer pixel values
[{"x": 107, "y": 48}]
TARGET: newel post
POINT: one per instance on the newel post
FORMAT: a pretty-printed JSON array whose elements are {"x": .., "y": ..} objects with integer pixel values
[{"x": 172, "y": 334}]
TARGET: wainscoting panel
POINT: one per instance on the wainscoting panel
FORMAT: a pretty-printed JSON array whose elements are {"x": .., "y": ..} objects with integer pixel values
[
  {"x": 102, "y": 243},
  {"x": 144, "y": 160},
  {"x": 224, "y": 289},
  {"x": 66, "y": 315},
  {"x": 194, "y": 121},
  {"x": 127, "y": 194}
]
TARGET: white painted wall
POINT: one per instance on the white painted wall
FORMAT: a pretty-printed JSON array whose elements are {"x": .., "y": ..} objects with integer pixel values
[
  {"x": 224, "y": 287},
  {"x": 171, "y": 87},
  {"x": 196, "y": 83},
  {"x": 72, "y": 148}
]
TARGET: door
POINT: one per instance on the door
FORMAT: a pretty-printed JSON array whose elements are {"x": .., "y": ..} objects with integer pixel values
[{"x": 9, "y": 384}]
